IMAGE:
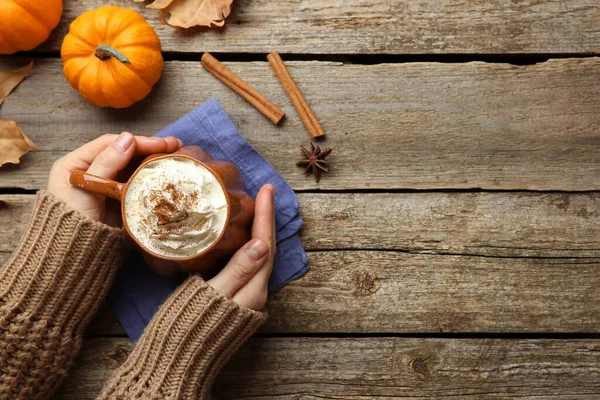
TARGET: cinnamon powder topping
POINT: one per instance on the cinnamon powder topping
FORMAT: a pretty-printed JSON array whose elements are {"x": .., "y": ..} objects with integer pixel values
[{"x": 170, "y": 208}]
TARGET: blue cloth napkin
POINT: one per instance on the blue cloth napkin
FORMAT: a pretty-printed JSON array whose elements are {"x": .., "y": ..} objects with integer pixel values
[{"x": 138, "y": 292}]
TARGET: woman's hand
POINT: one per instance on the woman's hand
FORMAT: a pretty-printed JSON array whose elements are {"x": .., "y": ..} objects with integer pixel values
[
  {"x": 104, "y": 157},
  {"x": 245, "y": 279}
]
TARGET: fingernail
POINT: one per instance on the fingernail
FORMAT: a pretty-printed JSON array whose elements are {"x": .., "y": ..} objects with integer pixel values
[
  {"x": 271, "y": 189},
  {"x": 123, "y": 142},
  {"x": 180, "y": 143},
  {"x": 257, "y": 250}
]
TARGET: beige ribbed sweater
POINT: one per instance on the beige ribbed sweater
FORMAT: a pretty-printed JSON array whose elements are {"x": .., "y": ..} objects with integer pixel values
[{"x": 54, "y": 283}]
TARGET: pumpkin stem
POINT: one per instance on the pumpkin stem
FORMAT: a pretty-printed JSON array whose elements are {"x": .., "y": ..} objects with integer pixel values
[{"x": 104, "y": 52}]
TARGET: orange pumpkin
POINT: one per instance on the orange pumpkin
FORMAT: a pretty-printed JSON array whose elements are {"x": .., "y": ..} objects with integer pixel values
[
  {"x": 25, "y": 24},
  {"x": 112, "y": 56}
]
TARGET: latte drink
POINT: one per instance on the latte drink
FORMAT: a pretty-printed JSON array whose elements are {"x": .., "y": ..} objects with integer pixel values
[{"x": 175, "y": 207}]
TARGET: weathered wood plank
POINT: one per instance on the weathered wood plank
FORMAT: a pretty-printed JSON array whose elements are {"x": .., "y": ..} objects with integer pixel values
[
  {"x": 356, "y": 291},
  {"x": 374, "y": 292},
  {"x": 400, "y": 293},
  {"x": 393, "y": 126},
  {"x": 378, "y": 368},
  {"x": 490, "y": 224},
  {"x": 381, "y": 26},
  {"x": 382, "y": 291}
]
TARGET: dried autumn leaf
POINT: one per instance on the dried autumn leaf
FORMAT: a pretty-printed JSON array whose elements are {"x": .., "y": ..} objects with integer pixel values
[
  {"x": 189, "y": 13},
  {"x": 11, "y": 79},
  {"x": 13, "y": 142}
]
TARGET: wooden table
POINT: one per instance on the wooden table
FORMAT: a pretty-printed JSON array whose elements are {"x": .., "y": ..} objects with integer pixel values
[{"x": 455, "y": 245}]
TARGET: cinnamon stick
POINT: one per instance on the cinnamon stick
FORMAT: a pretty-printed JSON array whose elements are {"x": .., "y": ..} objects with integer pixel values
[
  {"x": 251, "y": 95},
  {"x": 304, "y": 111}
]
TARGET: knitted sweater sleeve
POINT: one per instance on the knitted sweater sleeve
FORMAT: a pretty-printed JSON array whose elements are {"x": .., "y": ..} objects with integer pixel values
[
  {"x": 49, "y": 290},
  {"x": 186, "y": 343}
]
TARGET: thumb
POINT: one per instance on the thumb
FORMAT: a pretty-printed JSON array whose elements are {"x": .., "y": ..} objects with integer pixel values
[
  {"x": 244, "y": 264},
  {"x": 115, "y": 157}
]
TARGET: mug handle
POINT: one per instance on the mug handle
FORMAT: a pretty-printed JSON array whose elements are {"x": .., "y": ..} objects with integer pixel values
[{"x": 92, "y": 183}]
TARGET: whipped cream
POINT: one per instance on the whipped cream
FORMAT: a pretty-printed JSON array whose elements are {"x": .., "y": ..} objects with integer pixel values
[{"x": 175, "y": 207}]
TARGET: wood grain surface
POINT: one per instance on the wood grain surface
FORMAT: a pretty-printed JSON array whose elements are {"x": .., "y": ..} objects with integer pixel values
[
  {"x": 463, "y": 198},
  {"x": 391, "y": 292},
  {"x": 376, "y": 291},
  {"x": 373, "y": 291},
  {"x": 529, "y": 269},
  {"x": 510, "y": 224},
  {"x": 392, "y": 126},
  {"x": 379, "y": 368},
  {"x": 380, "y": 27}
]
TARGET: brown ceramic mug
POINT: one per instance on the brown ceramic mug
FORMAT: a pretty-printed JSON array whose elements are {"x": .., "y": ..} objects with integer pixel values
[{"x": 234, "y": 234}]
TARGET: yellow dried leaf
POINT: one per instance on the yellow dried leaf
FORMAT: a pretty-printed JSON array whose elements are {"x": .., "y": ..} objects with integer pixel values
[
  {"x": 11, "y": 79},
  {"x": 13, "y": 142},
  {"x": 189, "y": 13}
]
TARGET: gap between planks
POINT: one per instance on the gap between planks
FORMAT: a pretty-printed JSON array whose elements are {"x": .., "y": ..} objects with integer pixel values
[
  {"x": 21, "y": 191},
  {"x": 405, "y": 335},
  {"x": 356, "y": 59}
]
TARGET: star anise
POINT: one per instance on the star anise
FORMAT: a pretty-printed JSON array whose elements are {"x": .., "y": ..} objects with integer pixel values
[{"x": 315, "y": 160}]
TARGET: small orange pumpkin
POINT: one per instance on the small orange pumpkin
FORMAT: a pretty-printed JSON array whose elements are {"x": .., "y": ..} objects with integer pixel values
[
  {"x": 112, "y": 56},
  {"x": 27, "y": 23}
]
